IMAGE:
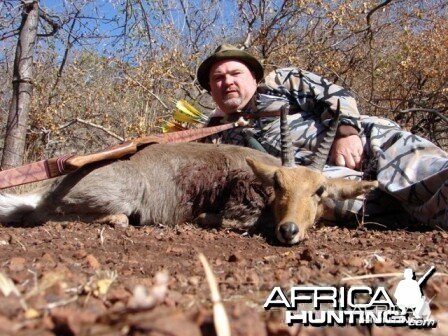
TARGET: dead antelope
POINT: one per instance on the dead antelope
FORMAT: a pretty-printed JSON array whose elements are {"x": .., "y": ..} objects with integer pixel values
[
  {"x": 169, "y": 184},
  {"x": 300, "y": 192}
]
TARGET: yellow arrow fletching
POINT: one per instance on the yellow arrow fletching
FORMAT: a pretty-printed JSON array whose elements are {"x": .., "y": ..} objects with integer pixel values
[
  {"x": 172, "y": 126},
  {"x": 182, "y": 117},
  {"x": 188, "y": 113},
  {"x": 185, "y": 106}
]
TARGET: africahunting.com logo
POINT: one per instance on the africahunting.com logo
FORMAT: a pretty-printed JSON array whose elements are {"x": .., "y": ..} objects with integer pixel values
[{"x": 356, "y": 305}]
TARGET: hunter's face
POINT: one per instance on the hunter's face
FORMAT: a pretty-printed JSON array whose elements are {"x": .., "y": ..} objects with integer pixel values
[{"x": 232, "y": 85}]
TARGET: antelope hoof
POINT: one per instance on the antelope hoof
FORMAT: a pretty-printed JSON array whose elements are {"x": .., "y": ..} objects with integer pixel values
[
  {"x": 208, "y": 220},
  {"x": 288, "y": 233},
  {"x": 119, "y": 220}
]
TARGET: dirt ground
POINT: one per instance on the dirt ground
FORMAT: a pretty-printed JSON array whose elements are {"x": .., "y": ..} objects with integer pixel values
[{"x": 73, "y": 278}]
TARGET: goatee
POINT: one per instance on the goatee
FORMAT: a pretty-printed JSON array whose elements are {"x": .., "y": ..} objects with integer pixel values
[{"x": 232, "y": 103}]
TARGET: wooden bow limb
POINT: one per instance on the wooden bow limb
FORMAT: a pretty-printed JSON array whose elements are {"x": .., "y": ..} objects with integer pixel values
[{"x": 46, "y": 169}]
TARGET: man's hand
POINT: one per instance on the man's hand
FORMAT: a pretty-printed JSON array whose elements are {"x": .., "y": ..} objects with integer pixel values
[{"x": 347, "y": 152}]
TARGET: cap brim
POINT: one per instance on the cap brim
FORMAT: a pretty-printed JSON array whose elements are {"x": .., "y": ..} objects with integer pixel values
[{"x": 239, "y": 55}]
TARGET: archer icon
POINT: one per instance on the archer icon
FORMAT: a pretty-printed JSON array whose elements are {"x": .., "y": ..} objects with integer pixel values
[{"x": 409, "y": 294}]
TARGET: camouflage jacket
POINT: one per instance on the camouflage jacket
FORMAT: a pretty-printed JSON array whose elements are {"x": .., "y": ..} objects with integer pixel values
[{"x": 307, "y": 94}]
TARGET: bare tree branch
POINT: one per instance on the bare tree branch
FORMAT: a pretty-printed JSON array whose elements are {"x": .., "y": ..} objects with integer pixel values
[
  {"x": 90, "y": 124},
  {"x": 145, "y": 22},
  {"x": 55, "y": 26},
  {"x": 418, "y": 109}
]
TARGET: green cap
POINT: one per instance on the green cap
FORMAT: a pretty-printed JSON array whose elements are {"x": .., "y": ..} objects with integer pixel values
[{"x": 228, "y": 51}]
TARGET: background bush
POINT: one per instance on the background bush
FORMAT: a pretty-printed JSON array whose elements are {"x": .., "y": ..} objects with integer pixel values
[{"x": 111, "y": 70}]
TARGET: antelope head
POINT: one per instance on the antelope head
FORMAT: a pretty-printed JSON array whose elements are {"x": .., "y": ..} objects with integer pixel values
[{"x": 300, "y": 192}]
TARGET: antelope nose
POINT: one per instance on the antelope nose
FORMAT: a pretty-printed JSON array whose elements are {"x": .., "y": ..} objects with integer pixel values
[{"x": 288, "y": 231}]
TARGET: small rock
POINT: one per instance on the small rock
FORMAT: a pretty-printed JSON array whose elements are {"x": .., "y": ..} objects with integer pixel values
[
  {"x": 47, "y": 322},
  {"x": 307, "y": 254},
  {"x": 333, "y": 270},
  {"x": 410, "y": 263},
  {"x": 355, "y": 262},
  {"x": 72, "y": 319},
  {"x": 10, "y": 306},
  {"x": 181, "y": 280},
  {"x": 93, "y": 262},
  {"x": 7, "y": 326},
  {"x": 245, "y": 321},
  {"x": 303, "y": 274},
  {"x": 141, "y": 299},
  {"x": 5, "y": 240},
  {"x": 445, "y": 249},
  {"x": 47, "y": 258},
  {"x": 194, "y": 280},
  {"x": 231, "y": 282},
  {"x": 17, "y": 264},
  {"x": 175, "y": 250},
  {"x": 80, "y": 254},
  {"x": 338, "y": 260},
  {"x": 281, "y": 329},
  {"x": 31, "y": 314},
  {"x": 165, "y": 322},
  {"x": 253, "y": 278},
  {"x": 234, "y": 258},
  {"x": 118, "y": 294},
  {"x": 383, "y": 267},
  {"x": 173, "y": 298},
  {"x": 282, "y": 275}
]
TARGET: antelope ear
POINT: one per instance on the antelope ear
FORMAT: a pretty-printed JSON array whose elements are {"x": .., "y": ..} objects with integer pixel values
[
  {"x": 342, "y": 189},
  {"x": 265, "y": 173}
]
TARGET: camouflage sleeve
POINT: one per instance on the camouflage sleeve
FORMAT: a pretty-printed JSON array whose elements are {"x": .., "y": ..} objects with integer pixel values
[{"x": 309, "y": 91}]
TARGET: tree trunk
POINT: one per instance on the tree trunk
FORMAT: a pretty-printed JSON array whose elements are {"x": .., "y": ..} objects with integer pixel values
[{"x": 16, "y": 126}]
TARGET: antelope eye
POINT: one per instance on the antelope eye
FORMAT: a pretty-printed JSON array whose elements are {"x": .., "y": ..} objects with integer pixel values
[{"x": 320, "y": 191}]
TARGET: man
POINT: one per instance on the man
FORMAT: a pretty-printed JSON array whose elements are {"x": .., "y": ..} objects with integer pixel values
[{"x": 409, "y": 168}]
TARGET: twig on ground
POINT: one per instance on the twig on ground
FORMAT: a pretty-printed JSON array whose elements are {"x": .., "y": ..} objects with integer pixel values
[
  {"x": 438, "y": 227},
  {"x": 7, "y": 286},
  {"x": 384, "y": 275},
  {"x": 47, "y": 232},
  {"x": 102, "y": 235},
  {"x": 220, "y": 319},
  {"x": 375, "y": 223},
  {"x": 15, "y": 239},
  {"x": 61, "y": 303},
  {"x": 128, "y": 239}
]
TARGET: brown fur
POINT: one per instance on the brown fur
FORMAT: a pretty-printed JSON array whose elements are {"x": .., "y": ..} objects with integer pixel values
[
  {"x": 170, "y": 184},
  {"x": 300, "y": 195}
]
